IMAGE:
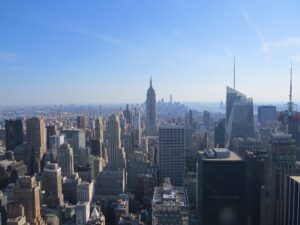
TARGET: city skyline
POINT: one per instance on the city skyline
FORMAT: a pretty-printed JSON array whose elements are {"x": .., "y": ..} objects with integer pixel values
[{"x": 104, "y": 52}]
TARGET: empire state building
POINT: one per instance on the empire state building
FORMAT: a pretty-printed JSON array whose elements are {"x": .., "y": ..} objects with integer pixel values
[{"x": 151, "y": 128}]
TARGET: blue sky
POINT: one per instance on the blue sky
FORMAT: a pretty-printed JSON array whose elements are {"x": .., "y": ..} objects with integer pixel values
[{"x": 104, "y": 51}]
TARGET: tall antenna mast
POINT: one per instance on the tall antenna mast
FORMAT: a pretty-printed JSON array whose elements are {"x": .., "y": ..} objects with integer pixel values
[
  {"x": 290, "y": 104},
  {"x": 234, "y": 72},
  {"x": 291, "y": 83}
]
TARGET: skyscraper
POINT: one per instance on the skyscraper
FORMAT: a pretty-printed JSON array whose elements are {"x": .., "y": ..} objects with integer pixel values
[
  {"x": 255, "y": 184},
  {"x": 65, "y": 160},
  {"x": 99, "y": 128},
  {"x": 292, "y": 203},
  {"x": 36, "y": 143},
  {"x": 206, "y": 119},
  {"x": 81, "y": 122},
  {"x": 27, "y": 193},
  {"x": 151, "y": 127},
  {"x": 239, "y": 116},
  {"x": 110, "y": 182},
  {"x": 137, "y": 126},
  {"x": 116, "y": 154},
  {"x": 13, "y": 133},
  {"x": 96, "y": 147},
  {"x": 51, "y": 130},
  {"x": 282, "y": 162},
  {"x": 221, "y": 196},
  {"x": 220, "y": 134},
  {"x": 51, "y": 183},
  {"x": 266, "y": 115},
  {"x": 171, "y": 153},
  {"x": 127, "y": 115}
]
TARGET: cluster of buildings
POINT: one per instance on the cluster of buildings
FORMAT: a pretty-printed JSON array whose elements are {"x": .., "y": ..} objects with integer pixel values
[{"x": 132, "y": 167}]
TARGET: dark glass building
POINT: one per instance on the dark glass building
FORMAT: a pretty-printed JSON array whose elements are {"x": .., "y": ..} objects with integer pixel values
[
  {"x": 13, "y": 133},
  {"x": 221, "y": 188}
]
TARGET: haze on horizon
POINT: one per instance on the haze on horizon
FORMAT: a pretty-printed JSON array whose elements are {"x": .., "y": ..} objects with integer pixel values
[{"x": 63, "y": 52}]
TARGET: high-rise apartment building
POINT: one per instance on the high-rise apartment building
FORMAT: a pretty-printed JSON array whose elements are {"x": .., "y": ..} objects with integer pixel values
[
  {"x": 170, "y": 205},
  {"x": 151, "y": 126},
  {"x": 36, "y": 143},
  {"x": 221, "y": 188},
  {"x": 13, "y": 133},
  {"x": 171, "y": 153},
  {"x": 52, "y": 185},
  {"x": 65, "y": 159}
]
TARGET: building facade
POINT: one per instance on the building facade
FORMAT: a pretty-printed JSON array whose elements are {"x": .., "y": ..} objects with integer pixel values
[{"x": 172, "y": 153}]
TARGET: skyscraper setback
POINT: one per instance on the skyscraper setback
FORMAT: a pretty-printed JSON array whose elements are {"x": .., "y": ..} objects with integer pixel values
[{"x": 27, "y": 193}]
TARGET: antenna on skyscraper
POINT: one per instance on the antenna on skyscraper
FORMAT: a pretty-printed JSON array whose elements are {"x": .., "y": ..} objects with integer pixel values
[
  {"x": 234, "y": 72},
  {"x": 291, "y": 104},
  {"x": 291, "y": 82},
  {"x": 150, "y": 80}
]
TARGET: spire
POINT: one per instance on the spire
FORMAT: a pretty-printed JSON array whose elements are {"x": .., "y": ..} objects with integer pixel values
[
  {"x": 234, "y": 72},
  {"x": 151, "y": 80},
  {"x": 291, "y": 104},
  {"x": 291, "y": 82}
]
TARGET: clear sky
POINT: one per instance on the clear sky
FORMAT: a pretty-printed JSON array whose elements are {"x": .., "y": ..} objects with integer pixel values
[{"x": 104, "y": 51}]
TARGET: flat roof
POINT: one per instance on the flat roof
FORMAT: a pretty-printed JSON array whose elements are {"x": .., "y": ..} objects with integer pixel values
[
  {"x": 296, "y": 178},
  {"x": 231, "y": 156}
]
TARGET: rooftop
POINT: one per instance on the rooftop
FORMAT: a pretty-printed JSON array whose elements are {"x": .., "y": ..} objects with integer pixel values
[
  {"x": 220, "y": 154},
  {"x": 168, "y": 195},
  {"x": 296, "y": 178}
]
